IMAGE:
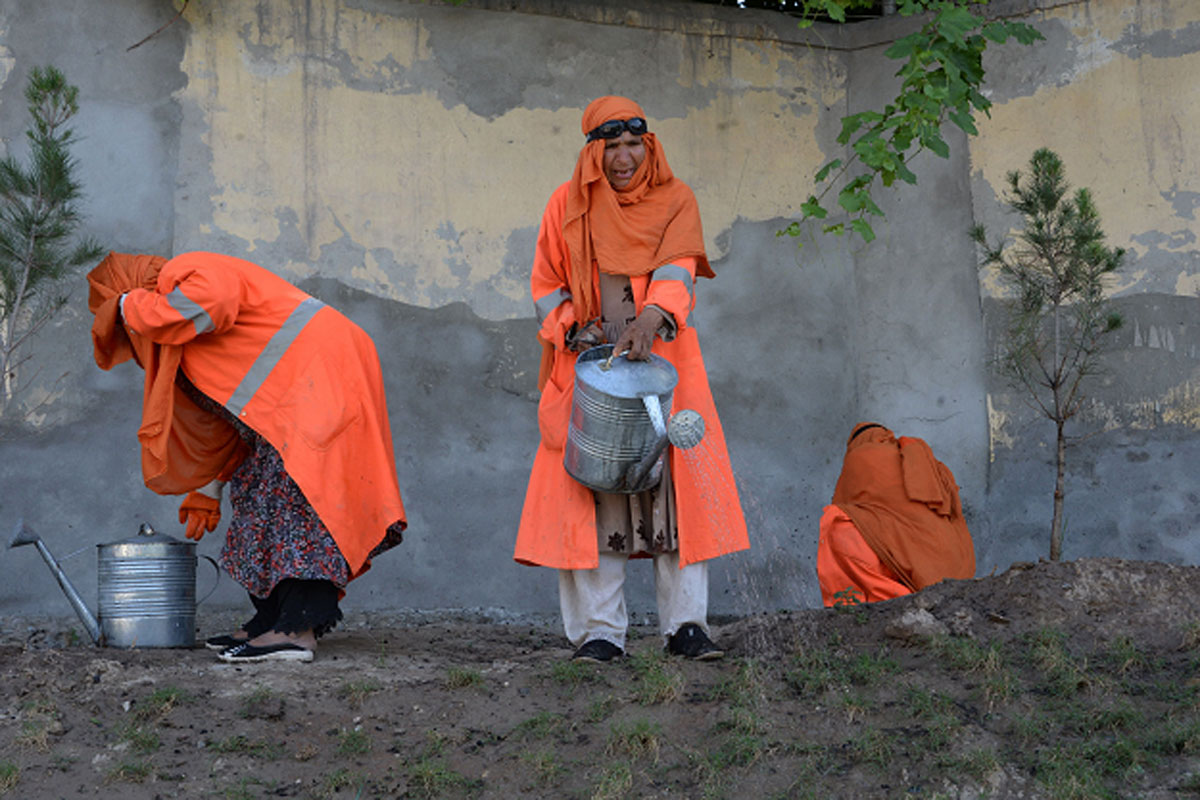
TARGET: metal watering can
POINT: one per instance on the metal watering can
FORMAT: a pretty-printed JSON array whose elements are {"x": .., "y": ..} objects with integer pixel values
[
  {"x": 146, "y": 587},
  {"x": 617, "y": 433}
]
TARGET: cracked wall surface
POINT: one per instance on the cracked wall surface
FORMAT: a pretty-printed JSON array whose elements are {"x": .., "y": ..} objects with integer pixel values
[{"x": 393, "y": 157}]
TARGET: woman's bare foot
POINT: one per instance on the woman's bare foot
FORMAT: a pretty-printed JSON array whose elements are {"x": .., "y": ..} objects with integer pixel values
[{"x": 304, "y": 639}]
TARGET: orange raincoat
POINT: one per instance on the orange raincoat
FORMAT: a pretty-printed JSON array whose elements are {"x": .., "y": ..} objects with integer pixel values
[
  {"x": 299, "y": 373},
  {"x": 651, "y": 233},
  {"x": 896, "y": 524}
]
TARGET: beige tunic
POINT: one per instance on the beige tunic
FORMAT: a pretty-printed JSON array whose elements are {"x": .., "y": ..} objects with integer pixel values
[{"x": 632, "y": 523}]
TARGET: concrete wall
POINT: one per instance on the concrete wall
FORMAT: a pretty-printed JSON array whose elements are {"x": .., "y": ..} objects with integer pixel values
[{"x": 393, "y": 158}]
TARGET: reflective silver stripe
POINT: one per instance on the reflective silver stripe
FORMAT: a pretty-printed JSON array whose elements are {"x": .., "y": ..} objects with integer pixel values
[
  {"x": 547, "y": 303},
  {"x": 188, "y": 309},
  {"x": 674, "y": 272},
  {"x": 280, "y": 341}
]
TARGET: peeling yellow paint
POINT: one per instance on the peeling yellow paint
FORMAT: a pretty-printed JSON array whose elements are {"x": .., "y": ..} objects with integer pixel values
[
  {"x": 1181, "y": 406},
  {"x": 1123, "y": 126},
  {"x": 998, "y": 436},
  {"x": 299, "y": 152}
]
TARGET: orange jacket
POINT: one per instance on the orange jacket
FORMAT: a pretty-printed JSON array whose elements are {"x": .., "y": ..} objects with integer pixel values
[
  {"x": 905, "y": 504},
  {"x": 558, "y": 521},
  {"x": 299, "y": 373}
]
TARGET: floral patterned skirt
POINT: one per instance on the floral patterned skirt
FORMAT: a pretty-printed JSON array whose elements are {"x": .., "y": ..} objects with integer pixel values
[{"x": 274, "y": 532}]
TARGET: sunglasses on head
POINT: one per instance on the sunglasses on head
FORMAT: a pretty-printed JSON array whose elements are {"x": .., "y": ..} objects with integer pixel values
[{"x": 615, "y": 127}]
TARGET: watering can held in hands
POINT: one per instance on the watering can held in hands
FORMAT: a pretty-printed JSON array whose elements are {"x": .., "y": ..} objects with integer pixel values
[
  {"x": 146, "y": 587},
  {"x": 621, "y": 421}
]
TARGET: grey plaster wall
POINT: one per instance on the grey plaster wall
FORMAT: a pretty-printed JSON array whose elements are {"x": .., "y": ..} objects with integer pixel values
[{"x": 800, "y": 343}]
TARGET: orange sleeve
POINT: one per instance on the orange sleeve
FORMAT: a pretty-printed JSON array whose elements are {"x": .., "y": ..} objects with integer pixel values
[
  {"x": 548, "y": 281},
  {"x": 673, "y": 289},
  {"x": 191, "y": 298}
]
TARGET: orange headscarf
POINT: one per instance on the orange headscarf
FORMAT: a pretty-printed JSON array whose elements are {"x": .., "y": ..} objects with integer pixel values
[
  {"x": 650, "y": 222},
  {"x": 183, "y": 446}
]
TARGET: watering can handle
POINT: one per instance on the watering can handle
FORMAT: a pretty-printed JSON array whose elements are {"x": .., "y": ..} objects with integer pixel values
[{"x": 217, "y": 582}]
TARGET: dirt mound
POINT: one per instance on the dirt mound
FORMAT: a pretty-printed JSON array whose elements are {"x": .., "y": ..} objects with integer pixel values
[{"x": 1050, "y": 680}]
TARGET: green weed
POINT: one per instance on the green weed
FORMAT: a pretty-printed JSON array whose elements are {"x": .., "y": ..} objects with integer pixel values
[
  {"x": 353, "y": 743},
  {"x": 573, "y": 673},
  {"x": 873, "y": 747},
  {"x": 637, "y": 740},
  {"x": 142, "y": 739},
  {"x": 355, "y": 693},
  {"x": 614, "y": 782},
  {"x": 431, "y": 778},
  {"x": 738, "y": 750},
  {"x": 601, "y": 709},
  {"x": 658, "y": 680},
  {"x": 10, "y": 776},
  {"x": 263, "y": 703},
  {"x": 160, "y": 703},
  {"x": 245, "y": 746},
  {"x": 338, "y": 780},
  {"x": 545, "y": 766},
  {"x": 463, "y": 678},
  {"x": 542, "y": 726},
  {"x": 131, "y": 771}
]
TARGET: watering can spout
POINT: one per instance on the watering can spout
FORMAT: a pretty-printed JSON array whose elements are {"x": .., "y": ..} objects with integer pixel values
[{"x": 22, "y": 535}]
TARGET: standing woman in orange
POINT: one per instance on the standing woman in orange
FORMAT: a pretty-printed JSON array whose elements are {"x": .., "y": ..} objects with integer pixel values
[
  {"x": 252, "y": 382},
  {"x": 617, "y": 256}
]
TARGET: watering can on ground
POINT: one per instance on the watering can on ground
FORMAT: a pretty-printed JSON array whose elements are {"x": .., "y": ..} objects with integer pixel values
[
  {"x": 146, "y": 586},
  {"x": 621, "y": 421}
]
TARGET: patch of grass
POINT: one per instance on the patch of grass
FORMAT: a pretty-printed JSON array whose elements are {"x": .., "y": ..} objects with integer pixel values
[
  {"x": 573, "y": 673},
  {"x": 353, "y": 743},
  {"x": 430, "y": 778},
  {"x": 355, "y": 693},
  {"x": 813, "y": 672},
  {"x": 131, "y": 771},
  {"x": 263, "y": 702},
  {"x": 1064, "y": 675},
  {"x": 245, "y": 746},
  {"x": 160, "y": 703},
  {"x": 856, "y": 706},
  {"x": 637, "y": 740},
  {"x": 937, "y": 713},
  {"x": 1067, "y": 774},
  {"x": 10, "y": 776},
  {"x": 737, "y": 750},
  {"x": 868, "y": 669},
  {"x": 658, "y": 680},
  {"x": 143, "y": 739},
  {"x": 241, "y": 790},
  {"x": 976, "y": 764},
  {"x": 614, "y": 782},
  {"x": 542, "y": 726},
  {"x": 1125, "y": 656},
  {"x": 463, "y": 678},
  {"x": 39, "y": 718},
  {"x": 1190, "y": 639},
  {"x": 601, "y": 708},
  {"x": 544, "y": 765},
  {"x": 873, "y": 747},
  {"x": 338, "y": 780}
]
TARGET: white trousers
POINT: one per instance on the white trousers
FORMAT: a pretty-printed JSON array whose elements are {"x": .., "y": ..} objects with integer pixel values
[{"x": 593, "y": 600}]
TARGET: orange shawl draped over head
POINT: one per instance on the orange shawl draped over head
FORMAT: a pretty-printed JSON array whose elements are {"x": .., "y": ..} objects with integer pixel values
[
  {"x": 183, "y": 446},
  {"x": 905, "y": 504},
  {"x": 650, "y": 222}
]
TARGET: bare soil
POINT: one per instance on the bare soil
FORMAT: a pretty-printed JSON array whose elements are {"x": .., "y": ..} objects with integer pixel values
[{"x": 1051, "y": 680}]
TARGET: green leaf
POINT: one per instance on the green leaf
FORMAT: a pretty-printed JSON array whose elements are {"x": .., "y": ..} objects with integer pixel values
[
  {"x": 863, "y": 229},
  {"x": 823, "y": 173},
  {"x": 812, "y": 208},
  {"x": 837, "y": 229},
  {"x": 964, "y": 122}
]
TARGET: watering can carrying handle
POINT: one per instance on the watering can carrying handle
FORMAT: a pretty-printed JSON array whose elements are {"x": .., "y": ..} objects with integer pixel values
[{"x": 216, "y": 583}]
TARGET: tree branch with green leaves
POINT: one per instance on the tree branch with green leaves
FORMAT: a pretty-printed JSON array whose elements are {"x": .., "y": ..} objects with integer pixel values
[{"x": 940, "y": 81}]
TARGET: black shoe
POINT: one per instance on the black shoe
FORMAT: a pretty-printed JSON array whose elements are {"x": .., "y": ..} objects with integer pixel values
[
  {"x": 690, "y": 641},
  {"x": 597, "y": 651},
  {"x": 246, "y": 653},
  {"x": 222, "y": 642}
]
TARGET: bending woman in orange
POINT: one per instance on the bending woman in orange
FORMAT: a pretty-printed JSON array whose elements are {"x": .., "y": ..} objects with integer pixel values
[
  {"x": 251, "y": 381},
  {"x": 617, "y": 256},
  {"x": 896, "y": 523}
]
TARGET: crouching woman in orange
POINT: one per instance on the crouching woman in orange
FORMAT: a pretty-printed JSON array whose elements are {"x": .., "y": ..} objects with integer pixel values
[
  {"x": 895, "y": 525},
  {"x": 617, "y": 256},
  {"x": 254, "y": 384}
]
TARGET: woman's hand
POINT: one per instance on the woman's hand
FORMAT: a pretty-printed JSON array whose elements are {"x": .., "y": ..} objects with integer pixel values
[
  {"x": 638, "y": 336},
  {"x": 580, "y": 339}
]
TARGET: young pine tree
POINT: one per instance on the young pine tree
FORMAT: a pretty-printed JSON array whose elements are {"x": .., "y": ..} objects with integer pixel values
[
  {"x": 38, "y": 221},
  {"x": 1058, "y": 315}
]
